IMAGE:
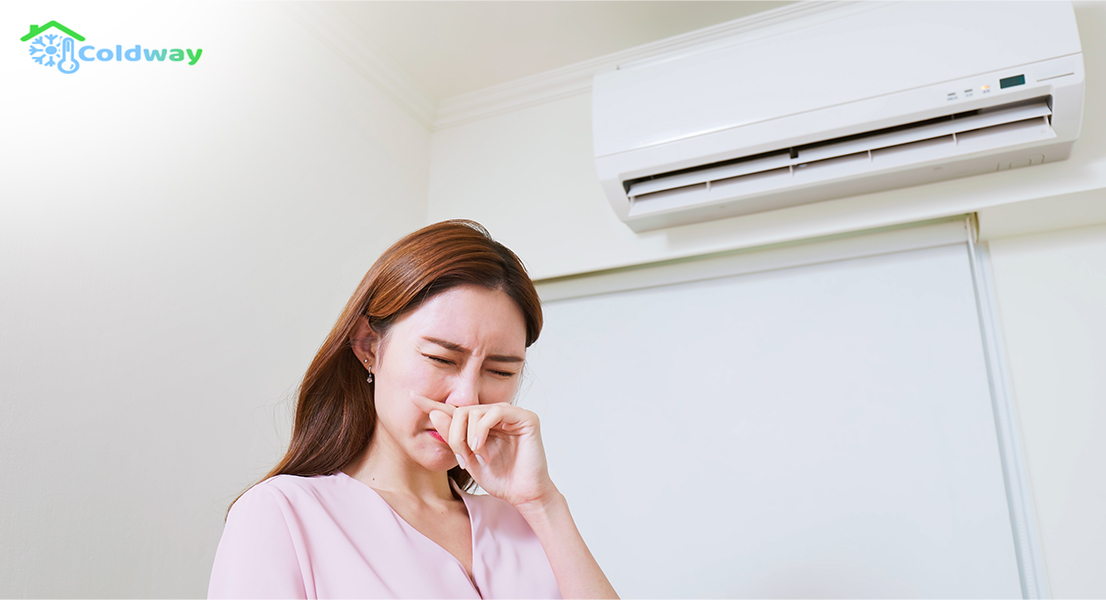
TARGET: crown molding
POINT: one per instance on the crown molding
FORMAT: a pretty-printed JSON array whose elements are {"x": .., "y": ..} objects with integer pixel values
[
  {"x": 577, "y": 78},
  {"x": 370, "y": 63},
  {"x": 570, "y": 80}
]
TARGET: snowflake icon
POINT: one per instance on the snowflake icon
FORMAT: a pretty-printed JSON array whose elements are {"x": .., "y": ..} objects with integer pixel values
[
  {"x": 53, "y": 49},
  {"x": 46, "y": 49}
]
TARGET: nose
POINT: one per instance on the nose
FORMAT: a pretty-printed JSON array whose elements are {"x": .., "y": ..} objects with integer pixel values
[{"x": 465, "y": 390}]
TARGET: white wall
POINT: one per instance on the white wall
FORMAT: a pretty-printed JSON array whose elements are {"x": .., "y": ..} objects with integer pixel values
[
  {"x": 528, "y": 175},
  {"x": 175, "y": 242},
  {"x": 1051, "y": 290}
]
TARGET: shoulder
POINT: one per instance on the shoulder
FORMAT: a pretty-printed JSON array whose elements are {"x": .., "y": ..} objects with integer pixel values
[
  {"x": 293, "y": 485},
  {"x": 262, "y": 547},
  {"x": 283, "y": 495}
]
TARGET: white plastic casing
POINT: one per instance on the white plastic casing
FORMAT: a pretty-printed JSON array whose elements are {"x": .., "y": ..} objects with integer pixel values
[{"x": 852, "y": 69}]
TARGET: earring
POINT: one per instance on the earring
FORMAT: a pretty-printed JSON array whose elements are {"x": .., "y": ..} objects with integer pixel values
[{"x": 370, "y": 377}]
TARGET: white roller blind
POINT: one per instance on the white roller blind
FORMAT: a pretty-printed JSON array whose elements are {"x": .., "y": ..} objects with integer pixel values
[{"x": 815, "y": 431}]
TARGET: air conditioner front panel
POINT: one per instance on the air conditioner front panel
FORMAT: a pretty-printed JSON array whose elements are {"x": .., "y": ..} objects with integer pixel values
[
  {"x": 1056, "y": 100},
  {"x": 868, "y": 114},
  {"x": 877, "y": 49},
  {"x": 856, "y": 99},
  {"x": 802, "y": 159}
]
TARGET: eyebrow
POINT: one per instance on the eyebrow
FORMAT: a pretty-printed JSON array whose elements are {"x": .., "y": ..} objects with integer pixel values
[{"x": 454, "y": 347}]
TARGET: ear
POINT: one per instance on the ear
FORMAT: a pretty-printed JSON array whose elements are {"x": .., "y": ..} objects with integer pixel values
[{"x": 365, "y": 342}]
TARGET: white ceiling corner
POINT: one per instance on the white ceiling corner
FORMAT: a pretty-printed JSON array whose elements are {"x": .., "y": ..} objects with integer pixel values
[
  {"x": 336, "y": 31},
  {"x": 372, "y": 64}
]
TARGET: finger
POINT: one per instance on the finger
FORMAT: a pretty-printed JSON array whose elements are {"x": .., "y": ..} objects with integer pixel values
[
  {"x": 427, "y": 405},
  {"x": 473, "y": 430},
  {"x": 441, "y": 422},
  {"x": 458, "y": 429},
  {"x": 496, "y": 415}
]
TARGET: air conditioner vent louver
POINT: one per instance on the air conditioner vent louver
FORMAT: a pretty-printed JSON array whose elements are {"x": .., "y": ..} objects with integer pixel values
[
  {"x": 825, "y": 160},
  {"x": 861, "y": 98}
]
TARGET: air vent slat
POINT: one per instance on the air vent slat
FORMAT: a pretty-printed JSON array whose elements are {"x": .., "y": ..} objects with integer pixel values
[
  {"x": 1008, "y": 133},
  {"x": 943, "y": 129},
  {"x": 774, "y": 161},
  {"x": 926, "y": 132}
]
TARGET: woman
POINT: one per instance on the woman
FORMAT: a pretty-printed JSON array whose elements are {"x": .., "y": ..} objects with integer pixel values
[{"x": 405, "y": 406}]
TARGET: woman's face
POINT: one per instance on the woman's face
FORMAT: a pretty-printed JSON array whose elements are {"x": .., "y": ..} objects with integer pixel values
[{"x": 463, "y": 346}]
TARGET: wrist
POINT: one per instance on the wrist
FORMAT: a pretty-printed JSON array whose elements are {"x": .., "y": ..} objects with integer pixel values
[{"x": 543, "y": 505}]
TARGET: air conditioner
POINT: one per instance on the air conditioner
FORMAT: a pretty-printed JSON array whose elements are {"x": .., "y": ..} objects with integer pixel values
[{"x": 840, "y": 101}]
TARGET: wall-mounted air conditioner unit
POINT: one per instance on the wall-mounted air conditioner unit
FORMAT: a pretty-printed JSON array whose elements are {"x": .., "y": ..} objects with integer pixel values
[{"x": 852, "y": 99}]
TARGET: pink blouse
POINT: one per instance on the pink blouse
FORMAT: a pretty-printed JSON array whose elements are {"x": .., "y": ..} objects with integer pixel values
[{"x": 335, "y": 537}]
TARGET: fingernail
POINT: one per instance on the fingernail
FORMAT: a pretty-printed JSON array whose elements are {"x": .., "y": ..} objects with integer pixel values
[
  {"x": 480, "y": 460},
  {"x": 461, "y": 461}
]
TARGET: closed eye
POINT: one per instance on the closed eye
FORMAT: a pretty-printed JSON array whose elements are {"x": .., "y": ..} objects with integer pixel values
[
  {"x": 504, "y": 374},
  {"x": 438, "y": 359}
]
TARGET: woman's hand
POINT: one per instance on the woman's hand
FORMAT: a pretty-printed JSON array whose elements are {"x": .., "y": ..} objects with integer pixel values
[{"x": 499, "y": 445}]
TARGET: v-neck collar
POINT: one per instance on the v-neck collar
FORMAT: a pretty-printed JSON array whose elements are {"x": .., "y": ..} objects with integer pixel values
[{"x": 472, "y": 517}]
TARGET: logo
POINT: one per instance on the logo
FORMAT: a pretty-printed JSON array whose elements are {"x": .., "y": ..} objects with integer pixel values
[
  {"x": 54, "y": 49},
  {"x": 55, "y": 45}
]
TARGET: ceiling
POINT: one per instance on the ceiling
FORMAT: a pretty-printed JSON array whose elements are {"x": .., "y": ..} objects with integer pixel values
[{"x": 453, "y": 47}]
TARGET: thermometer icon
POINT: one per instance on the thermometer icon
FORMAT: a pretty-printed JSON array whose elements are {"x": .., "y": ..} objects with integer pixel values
[{"x": 68, "y": 64}]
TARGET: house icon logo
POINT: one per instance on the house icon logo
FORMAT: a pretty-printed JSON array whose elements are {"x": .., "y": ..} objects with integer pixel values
[
  {"x": 52, "y": 45},
  {"x": 55, "y": 45}
]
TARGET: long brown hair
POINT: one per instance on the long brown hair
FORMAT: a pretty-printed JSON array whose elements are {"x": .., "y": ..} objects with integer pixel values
[{"x": 335, "y": 412}]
